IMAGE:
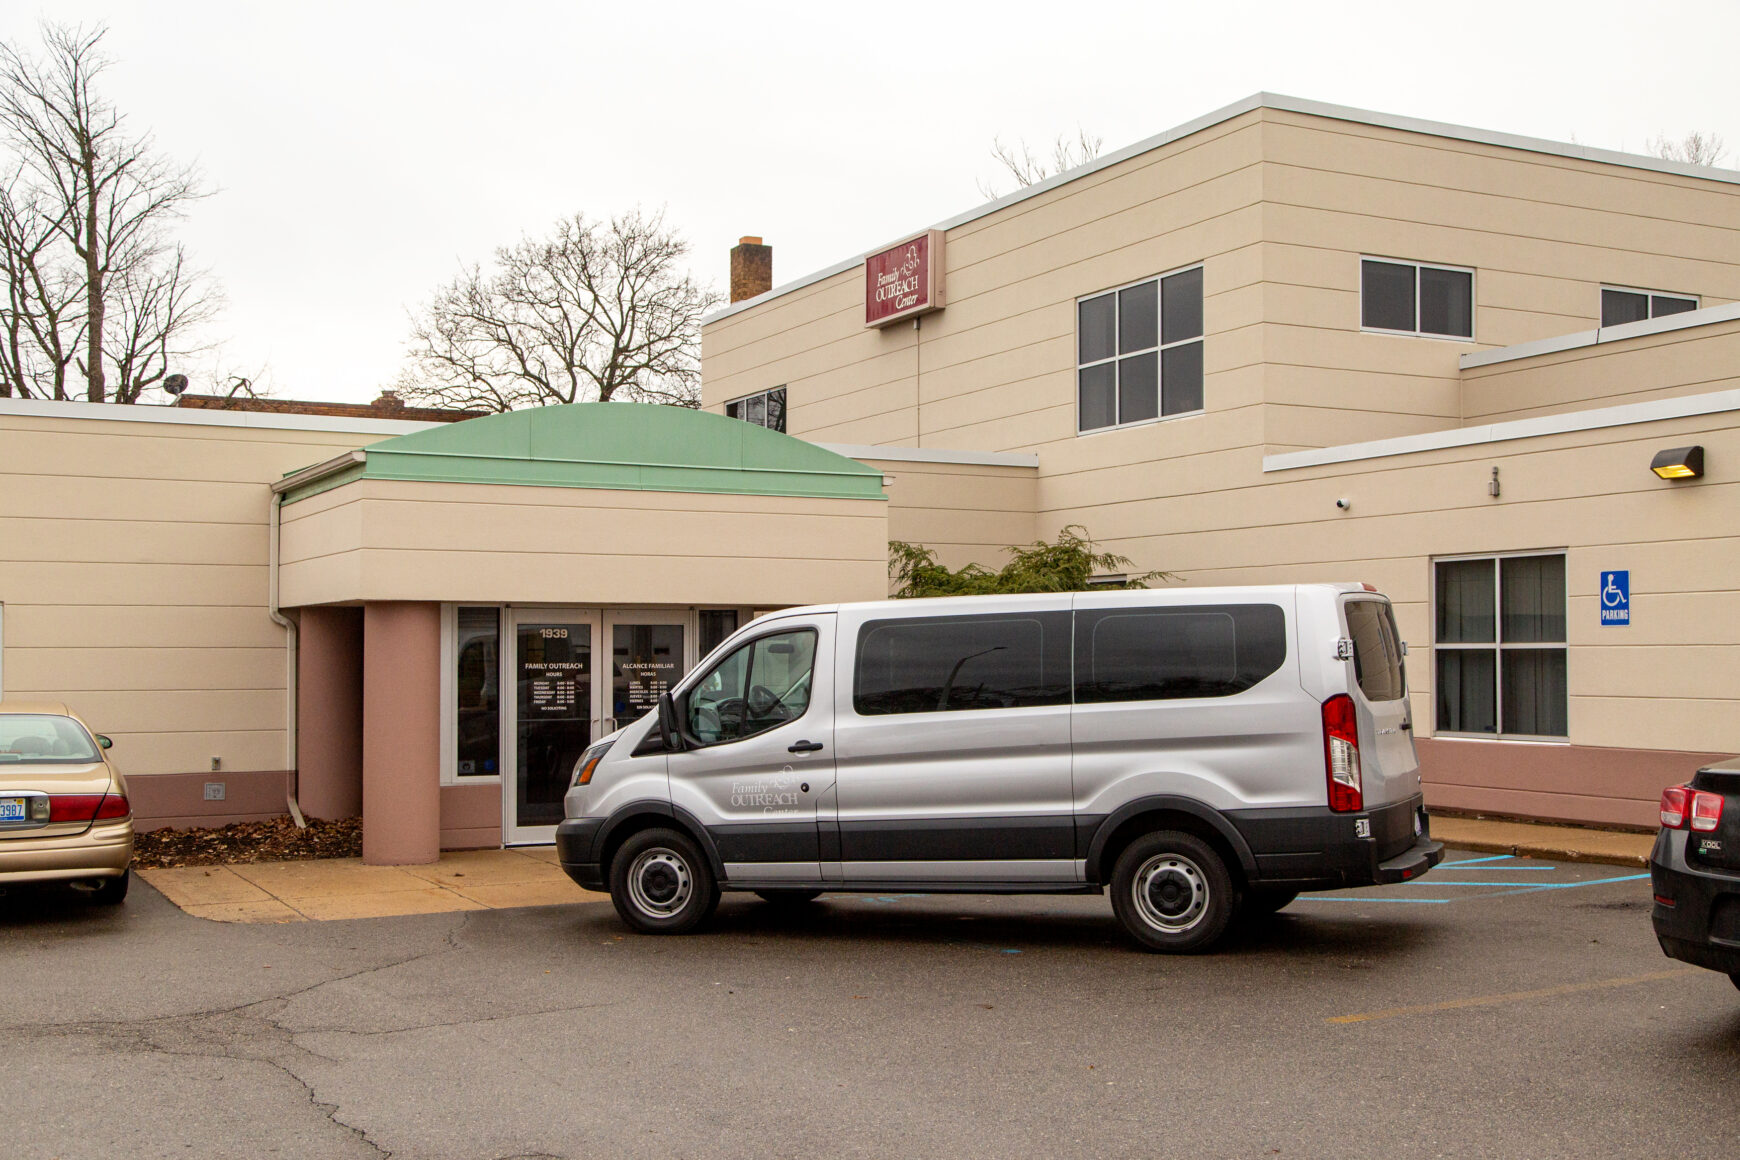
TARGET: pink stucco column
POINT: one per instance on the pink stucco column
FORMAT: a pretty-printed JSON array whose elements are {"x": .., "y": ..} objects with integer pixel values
[
  {"x": 401, "y": 748},
  {"x": 329, "y": 708}
]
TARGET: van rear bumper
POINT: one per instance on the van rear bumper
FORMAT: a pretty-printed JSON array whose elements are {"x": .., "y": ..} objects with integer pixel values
[{"x": 1314, "y": 848}]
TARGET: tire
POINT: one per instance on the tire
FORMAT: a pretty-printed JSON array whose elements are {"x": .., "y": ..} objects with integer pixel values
[
  {"x": 660, "y": 883},
  {"x": 1258, "y": 903},
  {"x": 788, "y": 898},
  {"x": 112, "y": 891},
  {"x": 1172, "y": 893}
]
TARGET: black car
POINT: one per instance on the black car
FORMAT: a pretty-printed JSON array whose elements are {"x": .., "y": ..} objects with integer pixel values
[{"x": 1695, "y": 870}]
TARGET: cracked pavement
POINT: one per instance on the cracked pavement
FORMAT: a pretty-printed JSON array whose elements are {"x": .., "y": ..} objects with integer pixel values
[{"x": 874, "y": 1026}]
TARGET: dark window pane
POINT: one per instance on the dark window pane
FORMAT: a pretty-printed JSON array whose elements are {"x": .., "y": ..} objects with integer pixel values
[
  {"x": 1181, "y": 378},
  {"x": 734, "y": 410},
  {"x": 715, "y": 625},
  {"x": 1138, "y": 318},
  {"x": 775, "y": 414},
  {"x": 1138, "y": 387},
  {"x": 1181, "y": 305},
  {"x": 477, "y": 691},
  {"x": 1140, "y": 654},
  {"x": 1467, "y": 693},
  {"x": 1377, "y": 659},
  {"x": 1621, "y": 306},
  {"x": 1098, "y": 397},
  {"x": 755, "y": 410},
  {"x": 1534, "y": 692},
  {"x": 940, "y": 664},
  {"x": 1096, "y": 323},
  {"x": 1661, "y": 304},
  {"x": 1465, "y": 602},
  {"x": 1532, "y": 592},
  {"x": 646, "y": 660},
  {"x": 1447, "y": 302},
  {"x": 1387, "y": 296},
  {"x": 758, "y": 686}
]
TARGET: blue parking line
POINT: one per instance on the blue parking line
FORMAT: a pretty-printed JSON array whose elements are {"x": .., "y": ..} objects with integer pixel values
[
  {"x": 1345, "y": 898},
  {"x": 1471, "y": 861},
  {"x": 1530, "y": 889},
  {"x": 1429, "y": 882},
  {"x": 1443, "y": 866}
]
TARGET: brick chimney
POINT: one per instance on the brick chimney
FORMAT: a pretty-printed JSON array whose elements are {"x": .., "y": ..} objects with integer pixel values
[{"x": 751, "y": 269}]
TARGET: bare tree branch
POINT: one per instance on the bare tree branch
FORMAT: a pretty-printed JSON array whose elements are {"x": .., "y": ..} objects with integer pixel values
[
  {"x": 86, "y": 209},
  {"x": 596, "y": 311},
  {"x": 1018, "y": 162},
  {"x": 1694, "y": 148}
]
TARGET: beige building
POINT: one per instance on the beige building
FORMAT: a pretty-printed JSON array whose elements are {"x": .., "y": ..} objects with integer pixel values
[
  {"x": 1290, "y": 342},
  {"x": 1285, "y": 342}
]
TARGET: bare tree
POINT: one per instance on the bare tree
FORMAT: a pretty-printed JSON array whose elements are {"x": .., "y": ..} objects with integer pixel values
[
  {"x": 596, "y": 311},
  {"x": 97, "y": 292},
  {"x": 1694, "y": 148},
  {"x": 1019, "y": 162}
]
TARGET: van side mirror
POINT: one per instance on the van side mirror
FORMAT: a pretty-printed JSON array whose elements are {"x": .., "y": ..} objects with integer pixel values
[
  {"x": 104, "y": 741},
  {"x": 668, "y": 723}
]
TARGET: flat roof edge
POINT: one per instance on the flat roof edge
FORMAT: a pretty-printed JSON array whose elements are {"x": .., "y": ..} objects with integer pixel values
[
  {"x": 157, "y": 413},
  {"x": 1685, "y": 320},
  {"x": 1261, "y": 100},
  {"x": 863, "y": 451},
  {"x": 1625, "y": 415}
]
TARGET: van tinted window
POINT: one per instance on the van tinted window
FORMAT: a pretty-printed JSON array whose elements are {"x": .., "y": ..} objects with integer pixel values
[
  {"x": 1377, "y": 650},
  {"x": 943, "y": 663},
  {"x": 1157, "y": 654}
]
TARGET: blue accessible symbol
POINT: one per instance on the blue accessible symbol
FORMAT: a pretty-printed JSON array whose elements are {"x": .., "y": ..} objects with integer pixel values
[{"x": 1615, "y": 598}]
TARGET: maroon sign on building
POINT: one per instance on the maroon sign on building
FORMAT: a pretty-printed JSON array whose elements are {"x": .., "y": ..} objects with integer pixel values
[{"x": 904, "y": 280}]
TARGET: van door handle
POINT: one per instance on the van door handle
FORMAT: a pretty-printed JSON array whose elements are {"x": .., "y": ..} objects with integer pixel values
[{"x": 804, "y": 747}]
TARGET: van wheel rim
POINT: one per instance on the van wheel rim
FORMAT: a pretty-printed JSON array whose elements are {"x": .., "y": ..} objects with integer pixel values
[
  {"x": 1170, "y": 893},
  {"x": 659, "y": 882}
]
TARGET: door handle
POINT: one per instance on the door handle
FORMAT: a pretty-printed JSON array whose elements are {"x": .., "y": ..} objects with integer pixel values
[{"x": 803, "y": 747}]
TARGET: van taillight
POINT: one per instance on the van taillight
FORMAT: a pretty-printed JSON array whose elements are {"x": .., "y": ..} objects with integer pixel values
[
  {"x": 1341, "y": 754},
  {"x": 1673, "y": 806}
]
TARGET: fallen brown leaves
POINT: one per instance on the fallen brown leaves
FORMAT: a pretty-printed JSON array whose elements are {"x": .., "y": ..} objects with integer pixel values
[{"x": 277, "y": 840}]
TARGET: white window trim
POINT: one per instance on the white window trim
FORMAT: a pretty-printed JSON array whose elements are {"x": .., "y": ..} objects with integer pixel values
[
  {"x": 449, "y": 692},
  {"x": 762, "y": 395},
  {"x": 1696, "y": 300},
  {"x": 1498, "y": 646},
  {"x": 1473, "y": 298},
  {"x": 1159, "y": 333}
]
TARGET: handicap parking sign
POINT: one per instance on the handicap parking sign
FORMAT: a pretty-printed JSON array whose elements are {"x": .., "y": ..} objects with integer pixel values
[{"x": 1615, "y": 598}]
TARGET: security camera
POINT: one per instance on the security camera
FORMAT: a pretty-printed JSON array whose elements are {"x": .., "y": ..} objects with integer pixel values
[
  {"x": 1343, "y": 504},
  {"x": 175, "y": 384}
]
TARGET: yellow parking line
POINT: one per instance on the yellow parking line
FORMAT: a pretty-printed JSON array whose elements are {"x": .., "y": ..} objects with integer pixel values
[{"x": 1513, "y": 996}]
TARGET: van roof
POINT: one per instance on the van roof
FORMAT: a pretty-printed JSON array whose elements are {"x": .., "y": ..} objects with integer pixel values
[{"x": 933, "y": 603}]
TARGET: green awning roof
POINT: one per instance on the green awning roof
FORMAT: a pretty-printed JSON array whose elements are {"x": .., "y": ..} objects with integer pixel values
[{"x": 619, "y": 446}]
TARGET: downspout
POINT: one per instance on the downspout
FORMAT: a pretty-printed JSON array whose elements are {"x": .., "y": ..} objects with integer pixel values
[{"x": 291, "y": 671}]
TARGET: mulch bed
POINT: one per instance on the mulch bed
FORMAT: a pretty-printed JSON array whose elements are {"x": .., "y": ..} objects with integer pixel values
[{"x": 277, "y": 840}]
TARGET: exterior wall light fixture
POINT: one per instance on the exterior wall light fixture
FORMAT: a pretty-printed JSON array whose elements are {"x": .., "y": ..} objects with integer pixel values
[{"x": 1679, "y": 463}]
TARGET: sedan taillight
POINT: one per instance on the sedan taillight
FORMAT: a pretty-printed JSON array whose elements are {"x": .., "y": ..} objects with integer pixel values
[
  {"x": 1674, "y": 800},
  {"x": 1706, "y": 811},
  {"x": 87, "y": 807},
  {"x": 1681, "y": 804}
]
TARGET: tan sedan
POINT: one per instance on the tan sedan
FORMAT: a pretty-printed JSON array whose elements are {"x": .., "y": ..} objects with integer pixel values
[{"x": 64, "y": 814}]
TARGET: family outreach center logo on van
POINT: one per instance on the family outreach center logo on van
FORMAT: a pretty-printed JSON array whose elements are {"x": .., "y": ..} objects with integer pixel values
[{"x": 774, "y": 794}]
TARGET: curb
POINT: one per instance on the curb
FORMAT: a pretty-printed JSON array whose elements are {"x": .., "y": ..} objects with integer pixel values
[{"x": 1548, "y": 851}]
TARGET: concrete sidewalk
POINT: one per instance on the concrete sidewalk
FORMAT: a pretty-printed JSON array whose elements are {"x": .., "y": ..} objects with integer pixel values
[{"x": 320, "y": 889}]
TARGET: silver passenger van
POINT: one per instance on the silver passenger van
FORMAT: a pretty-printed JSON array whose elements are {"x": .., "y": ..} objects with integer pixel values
[{"x": 1197, "y": 752}]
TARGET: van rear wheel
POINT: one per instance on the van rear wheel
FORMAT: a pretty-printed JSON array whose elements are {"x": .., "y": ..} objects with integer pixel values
[
  {"x": 1172, "y": 892},
  {"x": 660, "y": 883}
]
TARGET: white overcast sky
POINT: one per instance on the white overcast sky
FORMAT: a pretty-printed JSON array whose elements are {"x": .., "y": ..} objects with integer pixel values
[{"x": 362, "y": 151}]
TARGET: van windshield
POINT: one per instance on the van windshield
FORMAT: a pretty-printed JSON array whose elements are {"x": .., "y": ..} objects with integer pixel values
[
  {"x": 44, "y": 737},
  {"x": 1377, "y": 650}
]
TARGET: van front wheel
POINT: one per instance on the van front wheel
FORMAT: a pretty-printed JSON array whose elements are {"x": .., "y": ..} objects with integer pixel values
[
  {"x": 660, "y": 883},
  {"x": 1172, "y": 892}
]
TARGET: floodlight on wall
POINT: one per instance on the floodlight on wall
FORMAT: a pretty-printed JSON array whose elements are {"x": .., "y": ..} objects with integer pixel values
[{"x": 1679, "y": 463}]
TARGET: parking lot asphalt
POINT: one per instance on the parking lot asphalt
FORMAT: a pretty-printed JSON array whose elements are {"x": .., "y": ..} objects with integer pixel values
[{"x": 1498, "y": 1007}]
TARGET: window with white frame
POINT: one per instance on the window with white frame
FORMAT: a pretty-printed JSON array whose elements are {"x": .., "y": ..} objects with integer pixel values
[
  {"x": 1139, "y": 352},
  {"x": 1621, "y": 304},
  {"x": 1499, "y": 646},
  {"x": 1415, "y": 298},
  {"x": 766, "y": 409},
  {"x": 470, "y": 693}
]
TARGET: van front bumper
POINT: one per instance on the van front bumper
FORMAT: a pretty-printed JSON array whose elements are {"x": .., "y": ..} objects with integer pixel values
[
  {"x": 1315, "y": 848},
  {"x": 576, "y": 851}
]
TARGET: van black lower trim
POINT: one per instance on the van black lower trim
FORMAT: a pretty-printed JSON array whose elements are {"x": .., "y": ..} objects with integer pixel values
[
  {"x": 902, "y": 886},
  {"x": 793, "y": 841},
  {"x": 1313, "y": 847},
  {"x": 958, "y": 839}
]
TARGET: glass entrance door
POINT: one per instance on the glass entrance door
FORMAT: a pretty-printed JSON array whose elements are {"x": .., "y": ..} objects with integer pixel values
[
  {"x": 555, "y": 713},
  {"x": 649, "y": 653}
]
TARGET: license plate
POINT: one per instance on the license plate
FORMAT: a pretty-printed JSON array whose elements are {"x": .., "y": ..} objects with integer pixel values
[{"x": 12, "y": 809}]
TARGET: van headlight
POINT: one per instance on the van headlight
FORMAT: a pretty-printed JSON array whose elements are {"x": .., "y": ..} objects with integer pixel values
[{"x": 589, "y": 762}]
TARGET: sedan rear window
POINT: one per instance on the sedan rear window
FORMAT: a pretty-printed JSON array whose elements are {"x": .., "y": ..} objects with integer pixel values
[{"x": 44, "y": 737}]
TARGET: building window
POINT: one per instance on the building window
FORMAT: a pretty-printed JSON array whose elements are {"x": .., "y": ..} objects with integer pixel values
[
  {"x": 475, "y": 676},
  {"x": 1500, "y": 646},
  {"x": 764, "y": 410},
  {"x": 715, "y": 624},
  {"x": 1139, "y": 352},
  {"x": 1620, "y": 305},
  {"x": 1411, "y": 298}
]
